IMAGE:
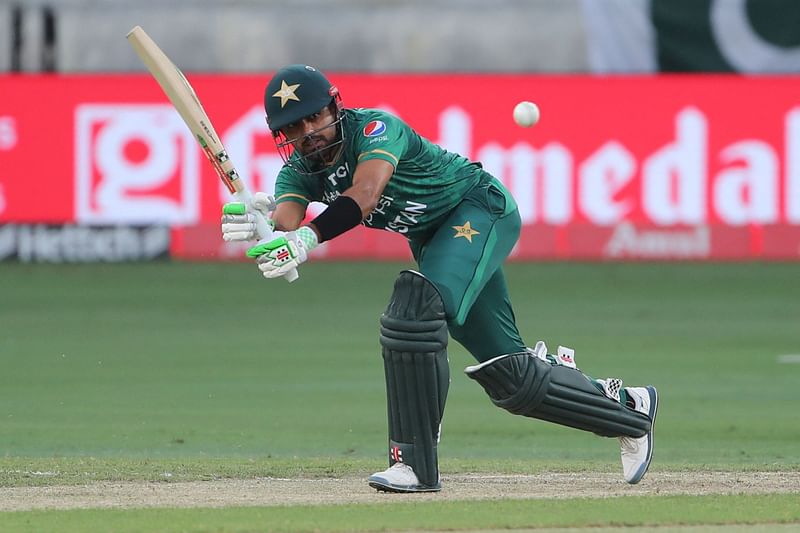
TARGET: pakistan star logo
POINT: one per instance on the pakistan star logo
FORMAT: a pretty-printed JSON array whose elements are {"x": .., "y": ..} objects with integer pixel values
[
  {"x": 287, "y": 93},
  {"x": 465, "y": 231}
]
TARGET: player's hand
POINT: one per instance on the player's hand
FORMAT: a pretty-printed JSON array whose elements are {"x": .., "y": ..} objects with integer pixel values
[
  {"x": 280, "y": 255},
  {"x": 240, "y": 225}
]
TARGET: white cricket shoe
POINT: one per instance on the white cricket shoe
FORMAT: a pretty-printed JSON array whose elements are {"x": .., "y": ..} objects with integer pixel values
[
  {"x": 638, "y": 452},
  {"x": 399, "y": 478}
]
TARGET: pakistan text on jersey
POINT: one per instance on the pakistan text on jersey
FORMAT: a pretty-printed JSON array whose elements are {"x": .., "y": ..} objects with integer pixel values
[
  {"x": 383, "y": 202},
  {"x": 407, "y": 218}
]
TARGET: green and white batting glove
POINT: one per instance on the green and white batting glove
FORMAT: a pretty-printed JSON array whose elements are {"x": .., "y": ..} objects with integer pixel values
[
  {"x": 285, "y": 252},
  {"x": 239, "y": 225}
]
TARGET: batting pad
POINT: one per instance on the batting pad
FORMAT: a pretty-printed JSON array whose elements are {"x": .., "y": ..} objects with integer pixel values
[
  {"x": 525, "y": 385},
  {"x": 414, "y": 341}
]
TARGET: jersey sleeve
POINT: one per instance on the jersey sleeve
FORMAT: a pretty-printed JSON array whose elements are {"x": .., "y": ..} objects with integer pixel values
[
  {"x": 291, "y": 187},
  {"x": 382, "y": 136}
]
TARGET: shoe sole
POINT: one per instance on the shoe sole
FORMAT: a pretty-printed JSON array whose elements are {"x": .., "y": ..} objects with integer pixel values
[
  {"x": 382, "y": 485},
  {"x": 652, "y": 414}
]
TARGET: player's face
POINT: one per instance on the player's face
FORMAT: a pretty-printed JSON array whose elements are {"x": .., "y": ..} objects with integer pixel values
[{"x": 314, "y": 135}]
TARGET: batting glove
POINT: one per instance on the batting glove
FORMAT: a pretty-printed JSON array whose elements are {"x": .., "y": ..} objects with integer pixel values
[
  {"x": 239, "y": 225},
  {"x": 284, "y": 253}
]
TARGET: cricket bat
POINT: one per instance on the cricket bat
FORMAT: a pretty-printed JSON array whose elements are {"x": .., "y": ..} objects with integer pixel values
[{"x": 185, "y": 101}]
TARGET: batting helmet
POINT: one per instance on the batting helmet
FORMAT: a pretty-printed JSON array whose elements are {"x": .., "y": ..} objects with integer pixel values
[{"x": 294, "y": 92}]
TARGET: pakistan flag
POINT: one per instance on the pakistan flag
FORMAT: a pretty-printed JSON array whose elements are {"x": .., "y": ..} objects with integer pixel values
[{"x": 747, "y": 36}]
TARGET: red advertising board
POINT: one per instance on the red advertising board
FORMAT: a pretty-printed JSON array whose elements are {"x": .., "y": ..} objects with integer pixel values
[{"x": 622, "y": 167}]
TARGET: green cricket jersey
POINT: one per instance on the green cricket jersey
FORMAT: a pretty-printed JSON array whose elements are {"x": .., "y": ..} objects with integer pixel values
[{"x": 428, "y": 181}]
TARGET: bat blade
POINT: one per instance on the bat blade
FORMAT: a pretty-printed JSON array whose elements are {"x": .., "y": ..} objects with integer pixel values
[{"x": 185, "y": 100}]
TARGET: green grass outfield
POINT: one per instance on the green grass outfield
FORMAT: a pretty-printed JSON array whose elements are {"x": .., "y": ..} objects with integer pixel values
[
  {"x": 114, "y": 371},
  {"x": 769, "y": 511}
]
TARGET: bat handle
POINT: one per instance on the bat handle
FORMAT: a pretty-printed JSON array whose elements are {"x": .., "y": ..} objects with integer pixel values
[
  {"x": 263, "y": 227},
  {"x": 291, "y": 276},
  {"x": 265, "y": 232}
]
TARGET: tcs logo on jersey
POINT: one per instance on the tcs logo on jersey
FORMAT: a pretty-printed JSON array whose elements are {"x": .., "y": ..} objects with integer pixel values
[{"x": 375, "y": 128}]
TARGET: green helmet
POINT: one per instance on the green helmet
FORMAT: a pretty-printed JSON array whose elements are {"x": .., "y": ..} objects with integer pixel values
[{"x": 294, "y": 92}]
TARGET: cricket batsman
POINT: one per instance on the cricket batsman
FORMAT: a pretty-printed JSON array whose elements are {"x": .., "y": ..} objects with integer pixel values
[{"x": 371, "y": 168}]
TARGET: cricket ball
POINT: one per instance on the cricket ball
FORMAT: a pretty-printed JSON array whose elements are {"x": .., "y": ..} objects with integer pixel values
[{"x": 526, "y": 114}]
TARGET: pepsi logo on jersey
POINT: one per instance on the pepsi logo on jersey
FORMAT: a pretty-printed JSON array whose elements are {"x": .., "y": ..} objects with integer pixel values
[{"x": 374, "y": 128}]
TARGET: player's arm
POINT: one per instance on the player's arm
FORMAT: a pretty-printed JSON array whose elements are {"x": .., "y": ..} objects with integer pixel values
[
  {"x": 369, "y": 181},
  {"x": 347, "y": 211},
  {"x": 288, "y": 216}
]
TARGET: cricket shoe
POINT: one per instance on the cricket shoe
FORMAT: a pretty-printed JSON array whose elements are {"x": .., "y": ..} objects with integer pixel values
[
  {"x": 638, "y": 452},
  {"x": 399, "y": 478}
]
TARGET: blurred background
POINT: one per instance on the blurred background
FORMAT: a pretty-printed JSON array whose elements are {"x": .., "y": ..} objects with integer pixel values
[
  {"x": 670, "y": 128},
  {"x": 525, "y": 36}
]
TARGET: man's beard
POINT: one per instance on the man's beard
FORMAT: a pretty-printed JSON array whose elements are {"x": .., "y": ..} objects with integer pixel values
[{"x": 318, "y": 155}]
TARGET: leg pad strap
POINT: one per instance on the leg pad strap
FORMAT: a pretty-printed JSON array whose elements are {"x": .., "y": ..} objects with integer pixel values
[{"x": 525, "y": 385}]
